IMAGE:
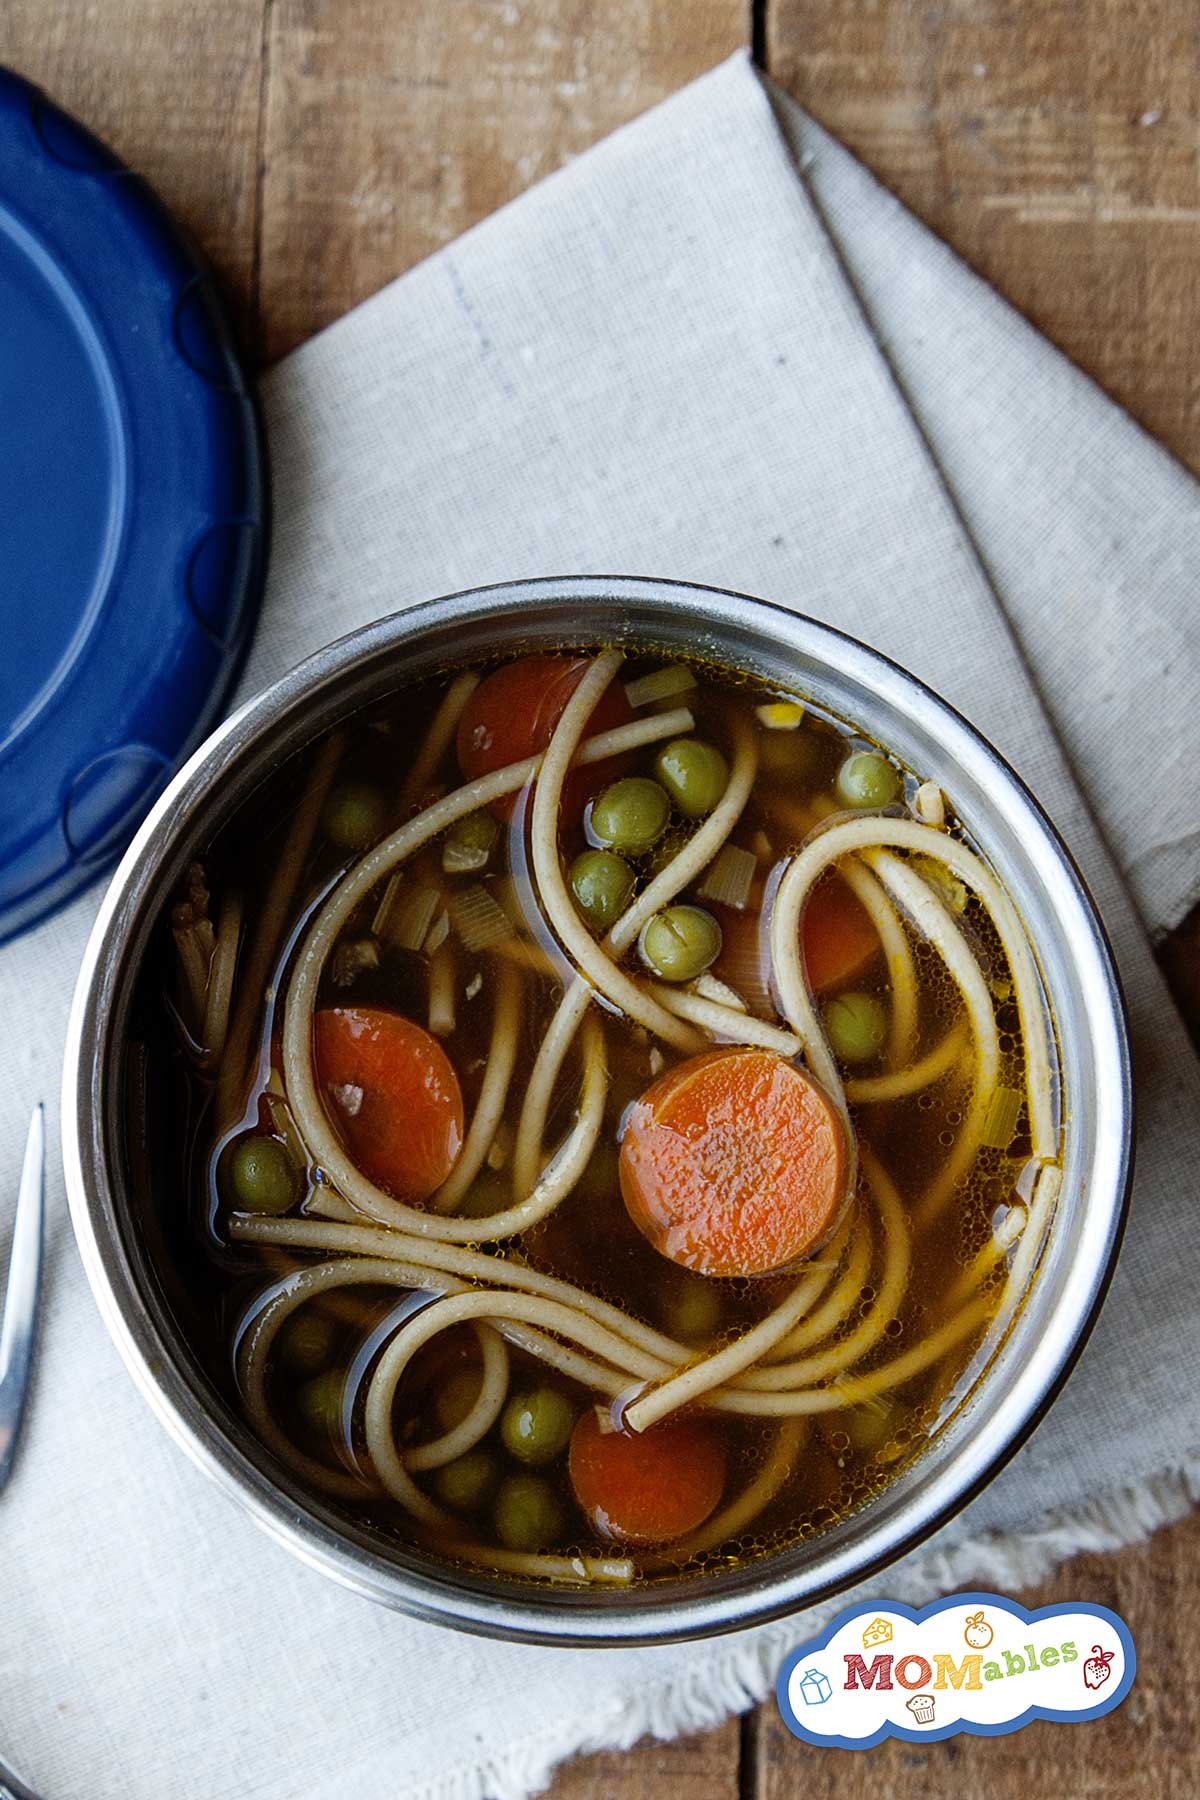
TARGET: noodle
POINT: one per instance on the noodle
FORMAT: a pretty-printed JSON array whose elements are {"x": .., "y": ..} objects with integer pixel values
[
  {"x": 725, "y": 1021},
  {"x": 730, "y": 1521},
  {"x": 261, "y": 954},
  {"x": 843, "y": 1297},
  {"x": 712, "y": 1371},
  {"x": 864, "y": 1090},
  {"x": 485, "y": 1408},
  {"x": 489, "y": 1109},
  {"x": 220, "y": 977},
  {"x": 699, "y": 850},
  {"x": 604, "y": 975},
  {"x": 902, "y": 1028},
  {"x": 539, "y": 1567},
  {"x": 867, "y": 1333},
  {"x": 878, "y": 831},
  {"x": 936, "y": 923}
]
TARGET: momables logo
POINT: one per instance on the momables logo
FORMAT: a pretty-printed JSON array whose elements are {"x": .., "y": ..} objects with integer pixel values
[{"x": 974, "y": 1662}]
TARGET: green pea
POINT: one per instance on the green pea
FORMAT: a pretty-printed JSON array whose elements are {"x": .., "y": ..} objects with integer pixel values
[
  {"x": 535, "y": 1427},
  {"x": 869, "y": 1427},
  {"x": 528, "y": 1514},
  {"x": 456, "y": 1396},
  {"x": 490, "y": 1192},
  {"x": 262, "y": 1175},
  {"x": 602, "y": 883},
  {"x": 307, "y": 1340},
  {"x": 857, "y": 1026},
  {"x": 469, "y": 842},
  {"x": 680, "y": 942},
  {"x": 467, "y": 1483},
  {"x": 695, "y": 774},
  {"x": 868, "y": 780},
  {"x": 630, "y": 815},
  {"x": 692, "y": 1310},
  {"x": 354, "y": 815},
  {"x": 320, "y": 1403}
]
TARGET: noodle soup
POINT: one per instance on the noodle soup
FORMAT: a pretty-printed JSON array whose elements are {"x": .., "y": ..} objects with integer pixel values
[{"x": 596, "y": 1116}]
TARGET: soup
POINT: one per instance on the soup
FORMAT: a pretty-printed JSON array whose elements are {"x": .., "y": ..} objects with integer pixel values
[{"x": 595, "y": 1116}]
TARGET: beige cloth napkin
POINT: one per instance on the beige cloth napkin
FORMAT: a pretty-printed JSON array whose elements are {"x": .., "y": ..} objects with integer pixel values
[{"x": 711, "y": 349}]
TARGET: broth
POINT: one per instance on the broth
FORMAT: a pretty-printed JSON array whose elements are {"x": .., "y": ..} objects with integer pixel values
[{"x": 609, "y": 1275}]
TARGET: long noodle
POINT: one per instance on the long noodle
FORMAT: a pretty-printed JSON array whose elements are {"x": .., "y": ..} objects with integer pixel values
[
  {"x": 841, "y": 1300},
  {"x": 640, "y": 1351},
  {"x": 434, "y": 746},
  {"x": 864, "y": 1090},
  {"x": 734, "y": 1359},
  {"x": 853, "y": 1390},
  {"x": 603, "y": 974},
  {"x": 878, "y": 831},
  {"x": 220, "y": 977},
  {"x": 489, "y": 1110},
  {"x": 902, "y": 1024},
  {"x": 260, "y": 955},
  {"x": 866, "y": 1334},
  {"x": 616, "y": 1569},
  {"x": 725, "y": 1021},
  {"x": 682, "y": 869},
  {"x": 484, "y": 1410},
  {"x": 730, "y": 1521},
  {"x": 936, "y": 923},
  {"x": 437, "y": 740}
]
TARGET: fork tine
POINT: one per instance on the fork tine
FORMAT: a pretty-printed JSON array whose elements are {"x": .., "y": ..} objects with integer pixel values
[{"x": 18, "y": 1326}]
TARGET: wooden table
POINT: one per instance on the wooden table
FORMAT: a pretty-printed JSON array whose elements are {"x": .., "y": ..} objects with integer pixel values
[{"x": 317, "y": 148}]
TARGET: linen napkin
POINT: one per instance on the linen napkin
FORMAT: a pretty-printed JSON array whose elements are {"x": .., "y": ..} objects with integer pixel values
[{"x": 710, "y": 348}]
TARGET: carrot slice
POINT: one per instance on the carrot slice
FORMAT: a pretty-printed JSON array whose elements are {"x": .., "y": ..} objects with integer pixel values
[
  {"x": 394, "y": 1095},
  {"x": 837, "y": 935},
  {"x": 647, "y": 1488},
  {"x": 512, "y": 715},
  {"x": 734, "y": 1163}
]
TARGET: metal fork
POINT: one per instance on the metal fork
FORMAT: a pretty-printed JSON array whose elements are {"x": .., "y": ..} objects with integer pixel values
[
  {"x": 18, "y": 1325},
  {"x": 18, "y": 1332}
]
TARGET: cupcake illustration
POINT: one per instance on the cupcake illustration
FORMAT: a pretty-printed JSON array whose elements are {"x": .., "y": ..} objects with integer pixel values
[{"x": 921, "y": 1708}]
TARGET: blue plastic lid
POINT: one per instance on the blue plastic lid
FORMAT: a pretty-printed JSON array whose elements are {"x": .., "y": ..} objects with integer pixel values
[{"x": 132, "y": 504}]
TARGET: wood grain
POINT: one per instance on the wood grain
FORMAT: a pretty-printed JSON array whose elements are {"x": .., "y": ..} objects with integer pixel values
[
  {"x": 317, "y": 148},
  {"x": 704, "y": 1767},
  {"x": 391, "y": 128},
  {"x": 174, "y": 88},
  {"x": 1054, "y": 144}
]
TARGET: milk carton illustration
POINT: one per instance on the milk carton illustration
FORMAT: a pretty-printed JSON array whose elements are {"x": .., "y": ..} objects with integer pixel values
[{"x": 814, "y": 1688}]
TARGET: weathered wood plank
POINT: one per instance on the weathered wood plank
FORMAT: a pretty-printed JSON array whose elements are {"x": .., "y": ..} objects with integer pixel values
[
  {"x": 174, "y": 88},
  {"x": 1144, "y": 1748},
  {"x": 393, "y": 127},
  {"x": 1054, "y": 145}
]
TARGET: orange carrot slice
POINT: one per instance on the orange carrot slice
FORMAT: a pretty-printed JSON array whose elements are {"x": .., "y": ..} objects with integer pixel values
[
  {"x": 394, "y": 1096},
  {"x": 650, "y": 1488},
  {"x": 512, "y": 715},
  {"x": 837, "y": 935},
  {"x": 734, "y": 1163}
]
